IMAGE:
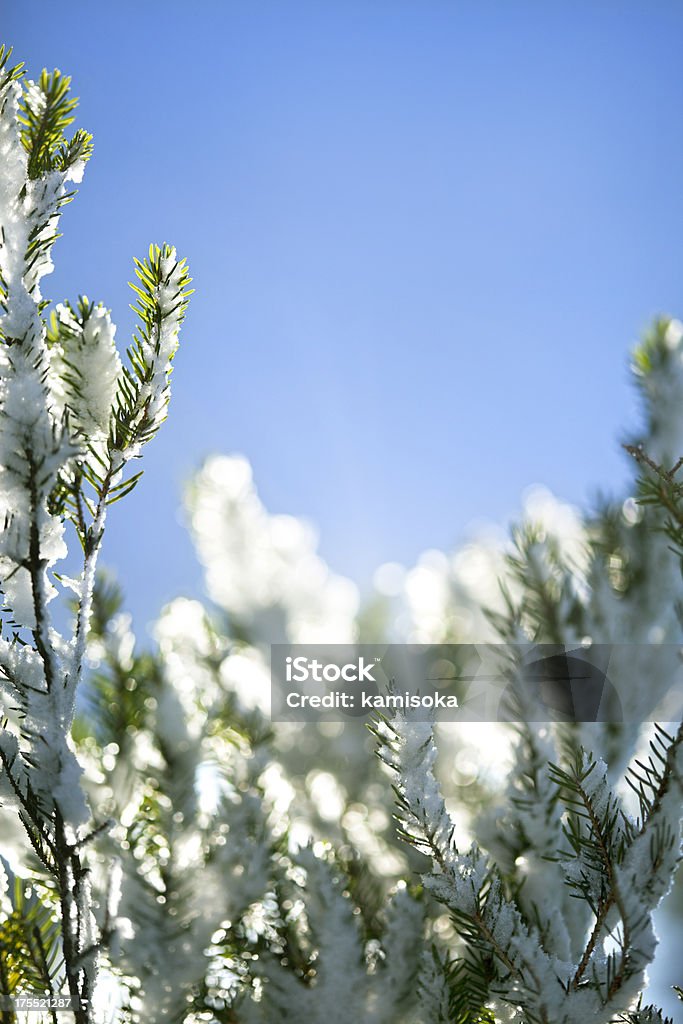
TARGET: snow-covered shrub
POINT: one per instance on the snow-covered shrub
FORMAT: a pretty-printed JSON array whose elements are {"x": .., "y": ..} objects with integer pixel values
[{"x": 169, "y": 853}]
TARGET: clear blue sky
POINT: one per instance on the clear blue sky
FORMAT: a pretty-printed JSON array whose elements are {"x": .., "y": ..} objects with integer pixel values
[{"x": 423, "y": 235}]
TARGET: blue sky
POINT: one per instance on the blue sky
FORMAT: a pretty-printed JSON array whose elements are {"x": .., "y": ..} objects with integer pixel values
[{"x": 423, "y": 235}]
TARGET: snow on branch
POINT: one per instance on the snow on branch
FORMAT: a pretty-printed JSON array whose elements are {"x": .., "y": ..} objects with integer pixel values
[
  {"x": 620, "y": 868},
  {"x": 70, "y": 419}
]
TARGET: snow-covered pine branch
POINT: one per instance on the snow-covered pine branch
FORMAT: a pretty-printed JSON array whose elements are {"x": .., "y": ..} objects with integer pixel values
[
  {"x": 620, "y": 868},
  {"x": 518, "y": 969},
  {"x": 71, "y": 417}
]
